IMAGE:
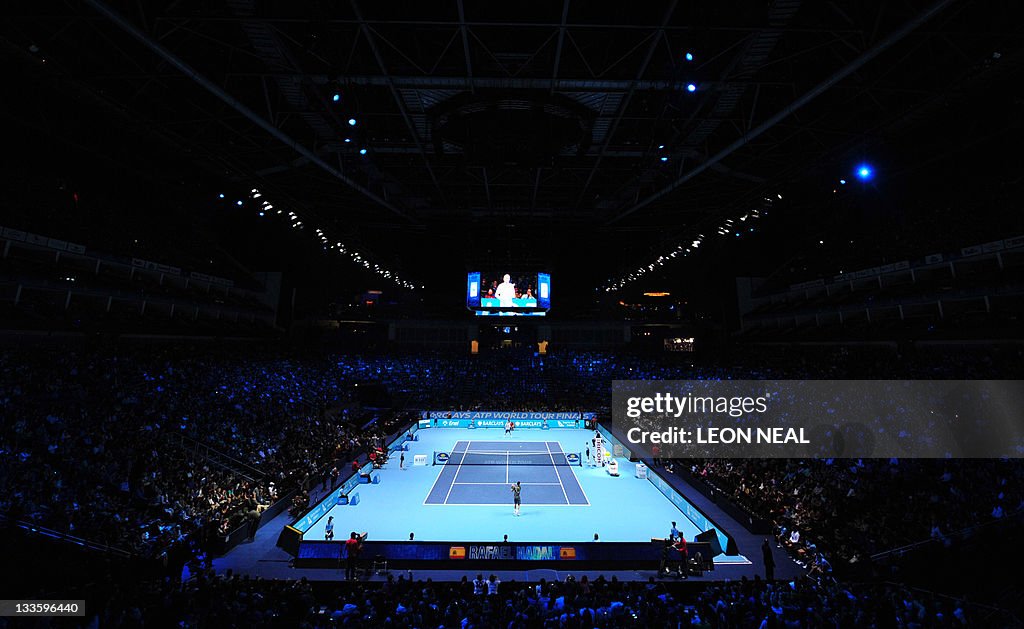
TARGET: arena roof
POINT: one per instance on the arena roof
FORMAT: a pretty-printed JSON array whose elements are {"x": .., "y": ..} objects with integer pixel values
[{"x": 540, "y": 131}]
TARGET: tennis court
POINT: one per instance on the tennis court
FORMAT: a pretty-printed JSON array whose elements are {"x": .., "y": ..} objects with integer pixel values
[
  {"x": 460, "y": 491},
  {"x": 479, "y": 473}
]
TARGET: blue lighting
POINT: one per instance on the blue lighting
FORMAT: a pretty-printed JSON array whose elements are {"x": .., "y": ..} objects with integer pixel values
[
  {"x": 865, "y": 172},
  {"x": 347, "y": 140},
  {"x": 238, "y": 203},
  {"x": 352, "y": 122},
  {"x": 842, "y": 182},
  {"x": 336, "y": 97},
  {"x": 664, "y": 159},
  {"x": 362, "y": 151},
  {"x": 661, "y": 146},
  {"x": 691, "y": 88},
  {"x": 220, "y": 196},
  {"x": 689, "y": 56}
]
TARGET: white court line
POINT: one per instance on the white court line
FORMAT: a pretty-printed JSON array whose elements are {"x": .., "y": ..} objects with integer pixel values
[
  {"x": 524, "y": 484},
  {"x": 438, "y": 477},
  {"x": 548, "y": 446},
  {"x": 582, "y": 491},
  {"x": 580, "y": 485},
  {"x": 506, "y": 452},
  {"x": 497, "y": 504},
  {"x": 467, "y": 451},
  {"x": 454, "y": 478},
  {"x": 506, "y": 467}
]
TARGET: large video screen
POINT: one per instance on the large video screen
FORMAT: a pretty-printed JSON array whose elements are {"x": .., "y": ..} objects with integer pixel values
[{"x": 500, "y": 293}]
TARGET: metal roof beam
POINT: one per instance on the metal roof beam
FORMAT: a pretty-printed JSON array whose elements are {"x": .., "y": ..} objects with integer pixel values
[
  {"x": 235, "y": 104},
  {"x": 655, "y": 41},
  {"x": 370, "y": 38},
  {"x": 807, "y": 97}
]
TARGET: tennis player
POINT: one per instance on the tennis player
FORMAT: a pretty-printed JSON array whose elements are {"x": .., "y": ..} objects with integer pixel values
[
  {"x": 505, "y": 292},
  {"x": 516, "y": 499},
  {"x": 508, "y": 428}
]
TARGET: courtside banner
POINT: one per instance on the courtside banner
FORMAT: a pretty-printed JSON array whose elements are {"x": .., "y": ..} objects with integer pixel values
[
  {"x": 820, "y": 418},
  {"x": 498, "y": 419}
]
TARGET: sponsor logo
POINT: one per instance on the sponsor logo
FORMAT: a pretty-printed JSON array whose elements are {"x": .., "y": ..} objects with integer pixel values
[
  {"x": 506, "y": 415},
  {"x": 492, "y": 552},
  {"x": 536, "y": 553}
]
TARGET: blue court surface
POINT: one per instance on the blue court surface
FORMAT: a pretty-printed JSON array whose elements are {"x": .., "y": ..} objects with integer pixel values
[
  {"x": 468, "y": 497},
  {"x": 480, "y": 473}
]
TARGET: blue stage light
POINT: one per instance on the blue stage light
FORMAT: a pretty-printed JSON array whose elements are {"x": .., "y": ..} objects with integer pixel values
[
  {"x": 352, "y": 122},
  {"x": 865, "y": 172},
  {"x": 238, "y": 203},
  {"x": 689, "y": 56},
  {"x": 362, "y": 151},
  {"x": 347, "y": 140},
  {"x": 842, "y": 182},
  {"x": 220, "y": 196},
  {"x": 336, "y": 97},
  {"x": 691, "y": 88},
  {"x": 664, "y": 159}
]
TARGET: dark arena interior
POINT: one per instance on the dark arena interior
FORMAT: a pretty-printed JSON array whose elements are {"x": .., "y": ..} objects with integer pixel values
[{"x": 469, "y": 314}]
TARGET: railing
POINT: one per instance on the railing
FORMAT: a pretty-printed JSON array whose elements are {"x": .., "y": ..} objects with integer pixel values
[
  {"x": 65, "y": 537},
  {"x": 986, "y": 613},
  {"x": 216, "y": 457},
  {"x": 963, "y": 533}
]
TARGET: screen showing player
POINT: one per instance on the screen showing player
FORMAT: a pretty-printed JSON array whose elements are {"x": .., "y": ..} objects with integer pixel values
[{"x": 508, "y": 293}]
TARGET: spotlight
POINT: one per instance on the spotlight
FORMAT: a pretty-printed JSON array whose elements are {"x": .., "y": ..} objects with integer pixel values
[
  {"x": 691, "y": 88},
  {"x": 661, "y": 146},
  {"x": 689, "y": 56},
  {"x": 842, "y": 182},
  {"x": 362, "y": 151},
  {"x": 238, "y": 203},
  {"x": 664, "y": 159},
  {"x": 347, "y": 140},
  {"x": 351, "y": 122},
  {"x": 336, "y": 97},
  {"x": 865, "y": 172},
  {"x": 220, "y": 196}
]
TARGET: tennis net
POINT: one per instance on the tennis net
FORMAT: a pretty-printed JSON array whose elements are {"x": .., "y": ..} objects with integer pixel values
[{"x": 507, "y": 458}]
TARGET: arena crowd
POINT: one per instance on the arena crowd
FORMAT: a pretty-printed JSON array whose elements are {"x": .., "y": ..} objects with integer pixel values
[{"x": 148, "y": 447}]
